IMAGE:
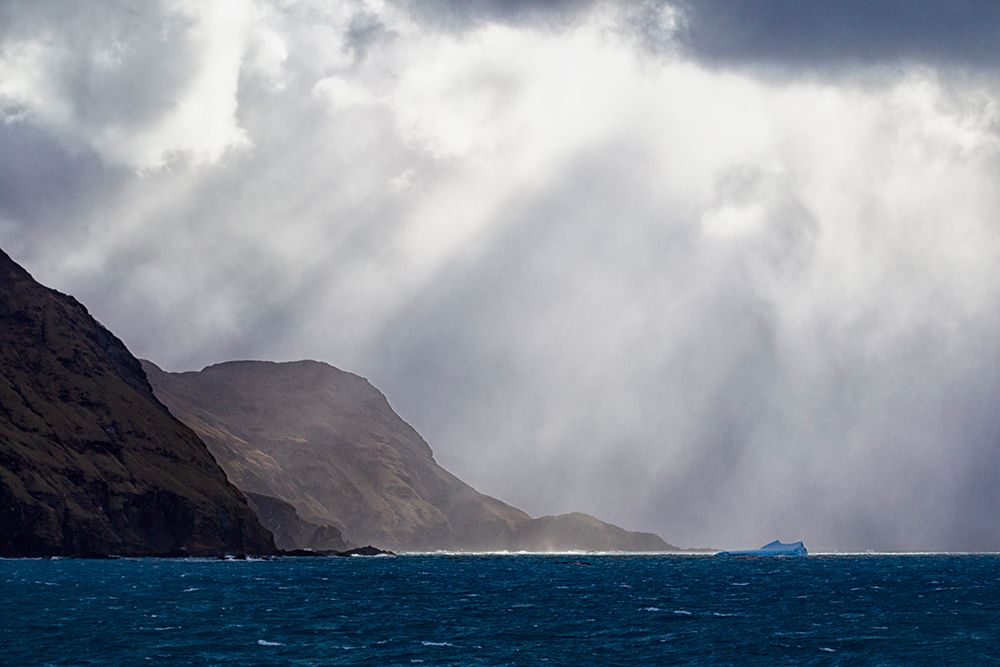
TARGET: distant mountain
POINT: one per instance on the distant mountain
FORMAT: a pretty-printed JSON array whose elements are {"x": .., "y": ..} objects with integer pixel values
[
  {"x": 328, "y": 443},
  {"x": 90, "y": 461}
]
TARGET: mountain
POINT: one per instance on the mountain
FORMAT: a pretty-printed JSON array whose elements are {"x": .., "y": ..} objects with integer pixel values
[
  {"x": 90, "y": 460},
  {"x": 328, "y": 443}
]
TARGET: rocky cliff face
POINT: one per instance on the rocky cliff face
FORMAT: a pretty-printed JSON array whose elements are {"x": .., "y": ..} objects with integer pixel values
[
  {"x": 291, "y": 531},
  {"x": 328, "y": 443},
  {"x": 90, "y": 460}
]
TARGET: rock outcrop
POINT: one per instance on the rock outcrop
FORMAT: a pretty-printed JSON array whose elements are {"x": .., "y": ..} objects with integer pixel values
[
  {"x": 90, "y": 461},
  {"x": 328, "y": 443},
  {"x": 292, "y": 532}
]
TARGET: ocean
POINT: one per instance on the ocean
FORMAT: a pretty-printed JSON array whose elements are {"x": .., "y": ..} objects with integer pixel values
[{"x": 575, "y": 609}]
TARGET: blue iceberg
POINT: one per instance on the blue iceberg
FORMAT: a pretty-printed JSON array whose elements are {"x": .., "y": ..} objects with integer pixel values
[{"x": 776, "y": 548}]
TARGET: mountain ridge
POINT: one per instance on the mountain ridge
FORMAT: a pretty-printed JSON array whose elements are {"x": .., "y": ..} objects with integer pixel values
[{"x": 328, "y": 442}]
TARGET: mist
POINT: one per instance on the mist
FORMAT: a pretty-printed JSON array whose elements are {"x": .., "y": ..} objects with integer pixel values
[{"x": 600, "y": 262}]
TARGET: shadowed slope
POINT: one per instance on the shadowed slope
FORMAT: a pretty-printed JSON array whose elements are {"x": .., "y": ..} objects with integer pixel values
[
  {"x": 90, "y": 461},
  {"x": 328, "y": 442},
  {"x": 291, "y": 531}
]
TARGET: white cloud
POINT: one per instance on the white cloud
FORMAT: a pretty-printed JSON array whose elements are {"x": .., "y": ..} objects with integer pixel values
[
  {"x": 141, "y": 90},
  {"x": 562, "y": 257},
  {"x": 340, "y": 94}
]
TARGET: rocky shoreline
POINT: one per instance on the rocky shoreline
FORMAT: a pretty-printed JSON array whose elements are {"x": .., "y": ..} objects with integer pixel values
[{"x": 366, "y": 551}]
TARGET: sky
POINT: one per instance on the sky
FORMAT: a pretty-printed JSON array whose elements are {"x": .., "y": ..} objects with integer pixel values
[{"x": 725, "y": 271}]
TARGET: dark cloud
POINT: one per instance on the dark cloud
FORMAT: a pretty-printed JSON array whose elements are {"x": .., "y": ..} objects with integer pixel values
[
  {"x": 40, "y": 177},
  {"x": 821, "y": 33},
  {"x": 47, "y": 189},
  {"x": 364, "y": 30}
]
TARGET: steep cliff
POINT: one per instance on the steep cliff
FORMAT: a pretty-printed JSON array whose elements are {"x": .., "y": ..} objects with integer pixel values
[
  {"x": 328, "y": 443},
  {"x": 290, "y": 530},
  {"x": 90, "y": 460}
]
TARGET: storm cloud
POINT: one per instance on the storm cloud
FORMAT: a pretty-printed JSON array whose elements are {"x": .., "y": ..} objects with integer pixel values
[
  {"x": 723, "y": 271},
  {"x": 827, "y": 34}
]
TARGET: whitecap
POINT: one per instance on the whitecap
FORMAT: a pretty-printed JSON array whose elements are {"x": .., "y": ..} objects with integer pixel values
[
  {"x": 191, "y": 590},
  {"x": 437, "y": 644},
  {"x": 827, "y": 649},
  {"x": 650, "y": 609},
  {"x": 264, "y": 642},
  {"x": 682, "y": 612}
]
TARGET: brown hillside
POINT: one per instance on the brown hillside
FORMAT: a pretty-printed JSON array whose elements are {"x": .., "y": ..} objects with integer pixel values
[
  {"x": 328, "y": 443},
  {"x": 90, "y": 461}
]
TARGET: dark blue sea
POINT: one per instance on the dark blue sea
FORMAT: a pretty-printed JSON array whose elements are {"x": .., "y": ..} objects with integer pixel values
[{"x": 502, "y": 610}]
